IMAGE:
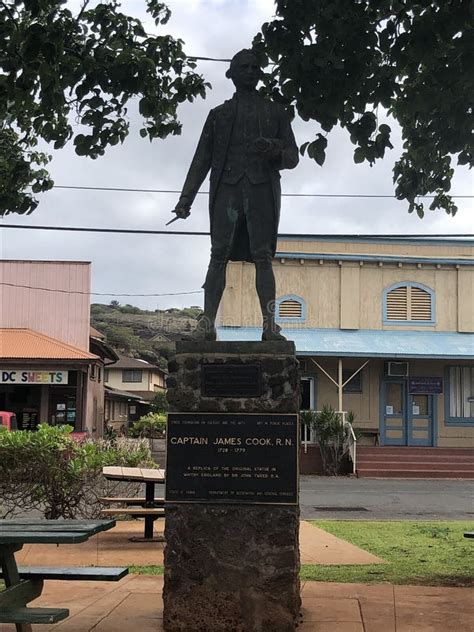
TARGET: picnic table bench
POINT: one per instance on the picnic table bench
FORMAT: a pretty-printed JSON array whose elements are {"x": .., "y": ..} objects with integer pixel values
[
  {"x": 147, "y": 507},
  {"x": 24, "y": 584}
]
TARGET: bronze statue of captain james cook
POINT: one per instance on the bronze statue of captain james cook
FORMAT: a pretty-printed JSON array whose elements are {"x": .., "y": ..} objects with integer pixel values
[{"x": 245, "y": 143}]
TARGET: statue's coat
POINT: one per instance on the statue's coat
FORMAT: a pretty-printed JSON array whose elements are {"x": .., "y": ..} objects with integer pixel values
[{"x": 211, "y": 154}]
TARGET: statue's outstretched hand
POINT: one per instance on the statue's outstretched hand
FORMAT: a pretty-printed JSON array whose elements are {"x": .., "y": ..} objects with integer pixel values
[{"x": 181, "y": 211}]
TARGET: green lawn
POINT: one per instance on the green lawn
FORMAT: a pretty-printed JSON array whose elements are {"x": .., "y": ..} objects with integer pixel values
[{"x": 429, "y": 553}]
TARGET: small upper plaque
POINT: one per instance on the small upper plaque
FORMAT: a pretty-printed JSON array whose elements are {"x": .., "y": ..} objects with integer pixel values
[{"x": 231, "y": 380}]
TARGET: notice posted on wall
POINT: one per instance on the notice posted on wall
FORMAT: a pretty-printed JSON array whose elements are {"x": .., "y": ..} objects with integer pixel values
[{"x": 232, "y": 458}]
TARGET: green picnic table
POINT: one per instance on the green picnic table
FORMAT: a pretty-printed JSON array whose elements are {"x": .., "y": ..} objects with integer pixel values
[{"x": 20, "y": 591}]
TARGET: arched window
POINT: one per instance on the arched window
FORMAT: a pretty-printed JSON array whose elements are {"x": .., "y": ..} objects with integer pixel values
[
  {"x": 407, "y": 303},
  {"x": 290, "y": 309}
]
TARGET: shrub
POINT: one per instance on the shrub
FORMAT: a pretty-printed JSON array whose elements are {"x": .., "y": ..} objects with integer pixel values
[
  {"x": 51, "y": 472},
  {"x": 331, "y": 435},
  {"x": 150, "y": 426},
  {"x": 159, "y": 403}
]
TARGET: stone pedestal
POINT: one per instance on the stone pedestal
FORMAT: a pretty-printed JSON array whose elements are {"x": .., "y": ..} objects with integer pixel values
[{"x": 232, "y": 567}]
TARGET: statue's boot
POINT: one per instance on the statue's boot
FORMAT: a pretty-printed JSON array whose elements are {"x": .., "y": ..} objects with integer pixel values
[
  {"x": 265, "y": 284},
  {"x": 213, "y": 290},
  {"x": 272, "y": 333}
]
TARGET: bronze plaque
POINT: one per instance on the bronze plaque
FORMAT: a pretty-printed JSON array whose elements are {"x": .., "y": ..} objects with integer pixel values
[
  {"x": 232, "y": 458},
  {"x": 231, "y": 380}
]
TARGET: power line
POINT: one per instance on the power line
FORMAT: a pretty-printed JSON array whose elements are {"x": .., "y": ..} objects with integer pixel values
[
  {"x": 207, "y": 58},
  {"x": 137, "y": 231},
  {"x": 50, "y": 289},
  {"x": 127, "y": 231},
  {"x": 175, "y": 191}
]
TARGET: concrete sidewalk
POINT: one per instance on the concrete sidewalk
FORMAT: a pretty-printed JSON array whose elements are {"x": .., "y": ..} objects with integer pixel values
[
  {"x": 113, "y": 548},
  {"x": 135, "y": 604}
]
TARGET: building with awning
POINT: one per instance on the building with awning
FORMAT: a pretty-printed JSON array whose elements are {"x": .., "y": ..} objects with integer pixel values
[
  {"x": 43, "y": 380},
  {"x": 51, "y": 364},
  {"x": 383, "y": 327}
]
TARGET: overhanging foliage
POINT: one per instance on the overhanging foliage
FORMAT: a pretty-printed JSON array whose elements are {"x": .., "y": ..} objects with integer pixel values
[
  {"x": 59, "y": 71},
  {"x": 348, "y": 62}
]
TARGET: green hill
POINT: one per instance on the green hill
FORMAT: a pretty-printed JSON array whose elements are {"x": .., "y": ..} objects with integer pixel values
[{"x": 142, "y": 333}]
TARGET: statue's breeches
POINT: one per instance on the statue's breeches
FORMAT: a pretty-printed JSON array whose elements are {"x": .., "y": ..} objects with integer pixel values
[{"x": 244, "y": 223}]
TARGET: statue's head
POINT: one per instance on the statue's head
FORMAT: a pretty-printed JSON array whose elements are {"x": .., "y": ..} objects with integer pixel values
[{"x": 245, "y": 70}]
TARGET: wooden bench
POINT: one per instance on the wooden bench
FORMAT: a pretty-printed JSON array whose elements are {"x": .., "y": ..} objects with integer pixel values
[
  {"x": 33, "y": 615},
  {"x": 13, "y": 610},
  {"x": 141, "y": 501},
  {"x": 155, "y": 512},
  {"x": 31, "y": 587},
  {"x": 95, "y": 573}
]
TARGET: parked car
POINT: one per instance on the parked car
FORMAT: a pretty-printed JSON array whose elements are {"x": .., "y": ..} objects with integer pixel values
[{"x": 8, "y": 420}]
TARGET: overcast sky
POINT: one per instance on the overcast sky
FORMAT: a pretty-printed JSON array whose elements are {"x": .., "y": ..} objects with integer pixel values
[{"x": 165, "y": 264}]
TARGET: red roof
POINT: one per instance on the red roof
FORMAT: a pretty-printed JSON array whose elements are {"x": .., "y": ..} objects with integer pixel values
[{"x": 27, "y": 344}]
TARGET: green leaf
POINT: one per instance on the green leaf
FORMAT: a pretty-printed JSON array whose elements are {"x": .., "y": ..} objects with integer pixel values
[
  {"x": 359, "y": 155},
  {"x": 303, "y": 147},
  {"x": 320, "y": 156}
]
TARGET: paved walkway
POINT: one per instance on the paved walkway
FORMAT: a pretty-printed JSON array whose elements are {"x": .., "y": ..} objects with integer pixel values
[
  {"x": 135, "y": 604},
  {"x": 113, "y": 548}
]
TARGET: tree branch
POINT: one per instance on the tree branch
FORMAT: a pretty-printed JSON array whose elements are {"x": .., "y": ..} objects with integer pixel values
[
  {"x": 8, "y": 10},
  {"x": 83, "y": 8}
]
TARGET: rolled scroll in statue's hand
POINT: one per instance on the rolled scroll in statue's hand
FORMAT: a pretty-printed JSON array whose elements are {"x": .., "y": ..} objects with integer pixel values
[
  {"x": 267, "y": 147},
  {"x": 181, "y": 212}
]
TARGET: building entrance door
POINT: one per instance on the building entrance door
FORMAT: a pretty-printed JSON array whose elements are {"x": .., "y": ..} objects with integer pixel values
[
  {"x": 421, "y": 420},
  {"x": 406, "y": 419},
  {"x": 394, "y": 413}
]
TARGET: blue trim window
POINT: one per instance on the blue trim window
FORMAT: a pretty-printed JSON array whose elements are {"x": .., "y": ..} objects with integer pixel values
[
  {"x": 409, "y": 303},
  {"x": 459, "y": 397},
  {"x": 290, "y": 309}
]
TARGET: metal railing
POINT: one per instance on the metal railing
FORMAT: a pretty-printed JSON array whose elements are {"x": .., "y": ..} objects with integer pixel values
[{"x": 351, "y": 444}]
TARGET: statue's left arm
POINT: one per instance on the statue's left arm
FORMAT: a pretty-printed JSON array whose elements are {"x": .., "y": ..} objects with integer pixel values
[
  {"x": 289, "y": 156},
  {"x": 282, "y": 151}
]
